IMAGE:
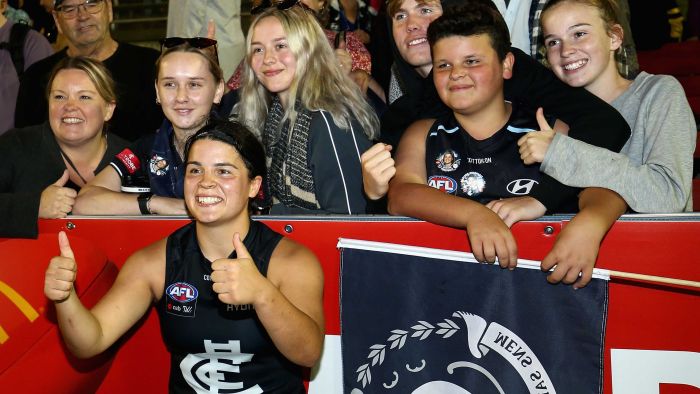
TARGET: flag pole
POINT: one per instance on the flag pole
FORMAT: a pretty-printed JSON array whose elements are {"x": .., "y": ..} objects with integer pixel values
[
  {"x": 653, "y": 278},
  {"x": 600, "y": 273}
]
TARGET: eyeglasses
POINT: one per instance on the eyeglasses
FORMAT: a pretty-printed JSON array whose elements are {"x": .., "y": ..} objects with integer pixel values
[
  {"x": 70, "y": 11},
  {"x": 283, "y": 5},
  {"x": 196, "y": 42}
]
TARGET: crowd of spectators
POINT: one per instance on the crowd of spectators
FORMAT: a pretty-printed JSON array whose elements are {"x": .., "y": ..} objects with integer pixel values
[
  {"x": 318, "y": 145},
  {"x": 473, "y": 114}
]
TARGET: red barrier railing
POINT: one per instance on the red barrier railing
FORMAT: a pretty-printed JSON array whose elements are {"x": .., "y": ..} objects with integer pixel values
[{"x": 641, "y": 315}]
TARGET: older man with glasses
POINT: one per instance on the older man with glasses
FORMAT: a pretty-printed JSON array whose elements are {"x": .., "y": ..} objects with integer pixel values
[{"x": 85, "y": 24}]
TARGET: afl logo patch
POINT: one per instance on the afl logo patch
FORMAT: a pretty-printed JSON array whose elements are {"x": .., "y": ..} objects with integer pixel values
[
  {"x": 521, "y": 187},
  {"x": 472, "y": 183},
  {"x": 182, "y": 299},
  {"x": 444, "y": 183},
  {"x": 182, "y": 292}
]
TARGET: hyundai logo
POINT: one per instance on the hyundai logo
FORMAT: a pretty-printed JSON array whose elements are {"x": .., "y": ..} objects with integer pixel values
[{"x": 521, "y": 187}]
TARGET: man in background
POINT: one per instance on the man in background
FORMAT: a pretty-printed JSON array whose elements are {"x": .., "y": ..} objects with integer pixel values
[
  {"x": 85, "y": 24},
  {"x": 20, "y": 47}
]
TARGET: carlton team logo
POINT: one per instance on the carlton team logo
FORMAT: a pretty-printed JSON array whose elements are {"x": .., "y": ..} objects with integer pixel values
[
  {"x": 479, "y": 361},
  {"x": 444, "y": 183},
  {"x": 217, "y": 369}
]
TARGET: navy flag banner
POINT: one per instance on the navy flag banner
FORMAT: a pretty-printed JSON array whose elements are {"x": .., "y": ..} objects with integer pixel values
[{"x": 418, "y": 320}]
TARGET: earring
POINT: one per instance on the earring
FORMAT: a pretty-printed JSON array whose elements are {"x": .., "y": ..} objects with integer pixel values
[{"x": 157, "y": 101}]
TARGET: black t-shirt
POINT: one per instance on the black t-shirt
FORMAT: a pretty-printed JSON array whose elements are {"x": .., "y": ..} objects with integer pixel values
[
  {"x": 30, "y": 161},
  {"x": 132, "y": 68}
]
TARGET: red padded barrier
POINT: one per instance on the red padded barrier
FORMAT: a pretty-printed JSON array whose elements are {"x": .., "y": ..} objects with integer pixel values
[
  {"x": 33, "y": 358},
  {"x": 666, "y": 388},
  {"x": 641, "y": 316}
]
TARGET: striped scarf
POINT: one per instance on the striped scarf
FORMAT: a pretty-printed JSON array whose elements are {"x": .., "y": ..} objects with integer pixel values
[{"x": 290, "y": 180}]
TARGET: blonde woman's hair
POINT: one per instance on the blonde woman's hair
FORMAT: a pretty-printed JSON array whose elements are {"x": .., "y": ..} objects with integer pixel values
[
  {"x": 318, "y": 83},
  {"x": 98, "y": 74}
]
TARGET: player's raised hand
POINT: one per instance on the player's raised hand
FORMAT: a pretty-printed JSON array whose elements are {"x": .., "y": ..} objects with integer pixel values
[
  {"x": 237, "y": 281},
  {"x": 61, "y": 272}
]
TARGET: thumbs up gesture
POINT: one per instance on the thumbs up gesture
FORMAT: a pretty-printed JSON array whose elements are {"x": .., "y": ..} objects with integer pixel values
[
  {"x": 211, "y": 29},
  {"x": 61, "y": 272},
  {"x": 533, "y": 145},
  {"x": 56, "y": 200},
  {"x": 238, "y": 281}
]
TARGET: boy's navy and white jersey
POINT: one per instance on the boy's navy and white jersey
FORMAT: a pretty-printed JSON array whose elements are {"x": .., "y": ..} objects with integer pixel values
[
  {"x": 481, "y": 170},
  {"x": 215, "y": 347}
]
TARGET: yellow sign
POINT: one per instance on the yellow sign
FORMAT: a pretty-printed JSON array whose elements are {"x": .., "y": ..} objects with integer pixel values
[{"x": 22, "y": 304}]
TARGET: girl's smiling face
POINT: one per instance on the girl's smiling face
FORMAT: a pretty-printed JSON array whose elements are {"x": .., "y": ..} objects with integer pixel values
[
  {"x": 186, "y": 90},
  {"x": 272, "y": 60},
  {"x": 580, "y": 47}
]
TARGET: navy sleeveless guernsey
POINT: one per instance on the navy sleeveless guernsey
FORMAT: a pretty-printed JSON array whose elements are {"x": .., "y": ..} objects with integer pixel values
[
  {"x": 481, "y": 170},
  {"x": 215, "y": 347}
]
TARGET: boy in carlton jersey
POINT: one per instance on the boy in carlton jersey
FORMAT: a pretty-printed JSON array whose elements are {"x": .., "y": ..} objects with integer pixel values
[{"x": 473, "y": 152}]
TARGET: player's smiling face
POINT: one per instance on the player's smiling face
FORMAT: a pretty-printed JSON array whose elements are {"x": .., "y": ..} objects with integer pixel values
[{"x": 217, "y": 186}]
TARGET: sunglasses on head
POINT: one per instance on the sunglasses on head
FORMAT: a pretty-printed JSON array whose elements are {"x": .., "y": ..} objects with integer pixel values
[
  {"x": 197, "y": 42},
  {"x": 282, "y": 5}
]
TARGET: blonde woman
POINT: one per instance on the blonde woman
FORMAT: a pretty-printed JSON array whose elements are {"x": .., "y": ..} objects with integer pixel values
[
  {"x": 313, "y": 120},
  {"x": 43, "y": 167}
]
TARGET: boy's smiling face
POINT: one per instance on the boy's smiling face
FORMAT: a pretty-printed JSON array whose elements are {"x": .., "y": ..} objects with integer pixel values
[{"x": 467, "y": 73}]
